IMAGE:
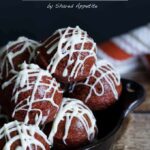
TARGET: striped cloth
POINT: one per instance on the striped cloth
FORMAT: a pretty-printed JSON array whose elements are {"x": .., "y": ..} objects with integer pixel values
[{"x": 125, "y": 51}]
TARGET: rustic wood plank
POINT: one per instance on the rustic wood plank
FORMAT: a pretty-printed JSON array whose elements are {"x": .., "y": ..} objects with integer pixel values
[{"x": 136, "y": 137}]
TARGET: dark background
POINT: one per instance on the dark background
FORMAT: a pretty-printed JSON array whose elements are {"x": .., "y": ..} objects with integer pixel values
[{"x": 34, "y": 20}]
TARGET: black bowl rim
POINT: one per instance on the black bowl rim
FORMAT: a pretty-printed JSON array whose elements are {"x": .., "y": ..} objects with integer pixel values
[{"x": 132, "y": 106}]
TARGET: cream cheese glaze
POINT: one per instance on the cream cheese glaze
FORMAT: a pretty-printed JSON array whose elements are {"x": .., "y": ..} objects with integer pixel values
[
  {"x": 106, "y": 72},
  {"x": 26, "y": 135},
  {"x": 23, "y": 84},
  {"x": 8, "y": 53},
  {"x": 65, "y": 45},
  {"x": 73, "y": 108}
]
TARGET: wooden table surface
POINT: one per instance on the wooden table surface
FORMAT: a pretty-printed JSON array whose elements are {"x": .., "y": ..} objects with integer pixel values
[{"x": 137, "y": 134}]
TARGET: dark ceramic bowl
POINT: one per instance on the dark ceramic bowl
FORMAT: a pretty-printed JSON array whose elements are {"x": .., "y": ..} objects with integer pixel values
[{"x": 111, "y": 122}]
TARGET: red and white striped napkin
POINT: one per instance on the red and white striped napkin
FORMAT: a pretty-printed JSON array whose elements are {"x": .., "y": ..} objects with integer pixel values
[{"x": 125, "y": 51}]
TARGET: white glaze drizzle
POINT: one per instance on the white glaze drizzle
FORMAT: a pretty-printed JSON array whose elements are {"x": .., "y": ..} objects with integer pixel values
[
  {"x": 73, "y": 108},
  {"x": 8, "y": 54},
  {"x": 107, "y": 73},
  {"x": 65, "y": 44},
  {"x": 26, "y": 135},
  {"x": 21, "y": 80}
]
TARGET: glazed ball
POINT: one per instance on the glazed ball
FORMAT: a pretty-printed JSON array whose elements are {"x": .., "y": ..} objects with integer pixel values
[
  {"x": 18, "y": 136},
  {"x": 73, "y": 127},
  {"x": 69, "y": 54},
  {"x": 36, "y": 95},
  {"x": 101, "y": 89},
  {"x": 15, "y": 53}
]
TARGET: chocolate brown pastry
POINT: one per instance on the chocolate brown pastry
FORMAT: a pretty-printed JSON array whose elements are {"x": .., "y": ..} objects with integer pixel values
[
  {"x": 101, "y": 89},
  {"x": 69, "y": 54},
  {"x": 36, "y": 95},
  {"x": 18, "y": 136},
  {"x": 15, "y": 53},
  {"x": 73, "y": 127}
]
